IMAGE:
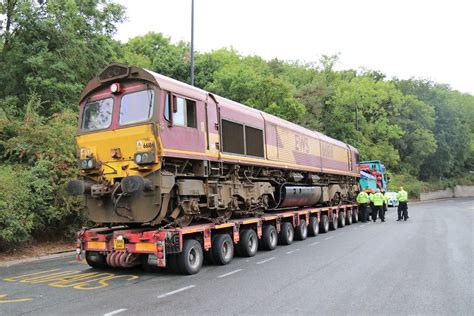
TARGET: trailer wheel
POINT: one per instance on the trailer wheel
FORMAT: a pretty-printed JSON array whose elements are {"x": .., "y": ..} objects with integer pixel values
[
  {"x": 222, "y": 249},
  {"x": 248, "y": 244},
  {"x": 302, "y": 230},
  {"x": 287, "y": 234},
  {"x": 355, "y": 216},
  {"x": 191, "y": 258},
  {"x": 324, "y": 224},
  {"x": 96, "y": 260},
  {"x": 341, "y": 220},
  {"x": 348, "y": 217},
  {"x": 333, "y": 223},
  {"x": 269, "y": 238},
  {"x": 313, "y": 227}
]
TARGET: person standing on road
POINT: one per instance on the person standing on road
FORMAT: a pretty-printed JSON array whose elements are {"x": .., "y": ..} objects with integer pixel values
[
  {"x": 402, "y": 197},
  {"x": 385, "y": 201},
  {"x": 378, "y": 200},
  {"x": 363, "y": 200}
]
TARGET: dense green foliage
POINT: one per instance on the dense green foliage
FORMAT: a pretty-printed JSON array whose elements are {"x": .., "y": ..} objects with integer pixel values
[{"x": 421, "y": 130}]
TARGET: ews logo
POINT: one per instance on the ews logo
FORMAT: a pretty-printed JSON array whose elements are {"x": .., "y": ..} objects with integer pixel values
[{"x": 301, "y": 144}]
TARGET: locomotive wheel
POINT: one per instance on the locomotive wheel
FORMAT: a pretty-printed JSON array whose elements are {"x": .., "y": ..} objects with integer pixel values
[
  {"x": 191, "y": 258},
  {"x": 313, "y": 227},
  {"x": 287, "y": 234},
  {"x": 96, "y": 260},
  {"x": 302, "y": 230},
  {"x": 333, "y": 223},
  {"x": 355, "y": 216},
  {"x": 222, "y": 249},
  {"x": 341, "y": 220},
  {"x": 348, "y": 217},
  {"x": 248, "y": 244},
  {"x": 269, "y": 238},
  {"x": 324, "y": 224}
]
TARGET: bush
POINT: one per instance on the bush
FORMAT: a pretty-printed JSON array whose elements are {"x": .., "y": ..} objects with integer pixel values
[
  {"x": 38, "y": 161},
  {"x": 16, "y": 222}
]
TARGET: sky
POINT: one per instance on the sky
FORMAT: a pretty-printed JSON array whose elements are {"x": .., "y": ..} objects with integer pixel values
[{"x": 422, "y": 39}]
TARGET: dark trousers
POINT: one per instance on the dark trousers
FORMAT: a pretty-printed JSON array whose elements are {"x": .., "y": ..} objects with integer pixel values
[
  {"x": 363, "y": 212},
  {"x": 402, "y": 210},
  {"x": 384, "y": 210},
  {"x": 377, "y": 209}
]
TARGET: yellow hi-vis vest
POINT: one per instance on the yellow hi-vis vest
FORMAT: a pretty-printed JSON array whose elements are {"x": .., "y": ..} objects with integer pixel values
[
  {"x": 402, "y": 196},
  {"x": 363, "y": 198},
  {"x": 378, "y": 199}
]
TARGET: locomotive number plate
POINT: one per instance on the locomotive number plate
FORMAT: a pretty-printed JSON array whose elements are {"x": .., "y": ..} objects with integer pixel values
[{"x": 119, "y": 244}]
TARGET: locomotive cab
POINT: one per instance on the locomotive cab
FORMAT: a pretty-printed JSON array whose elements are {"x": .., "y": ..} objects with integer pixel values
[{"x": 118, "y": 147}]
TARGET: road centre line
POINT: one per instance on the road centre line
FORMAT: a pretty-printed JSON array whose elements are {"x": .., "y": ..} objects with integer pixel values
[
  {"x": 115, "y": 312},
  {"x": 291, "y": 251},
  {"x": 177, "y": 291},
  {"x": 314, "y": 243},
  {"x": 266, "y": 260},
  {"x": 229, "y": 273},
  {"x": 327, "y": 238}
]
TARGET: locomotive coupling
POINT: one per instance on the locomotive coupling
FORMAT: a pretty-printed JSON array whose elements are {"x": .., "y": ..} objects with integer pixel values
[
  {"x": 78, "y": 187},
  {"x": 133, "y": 184}
]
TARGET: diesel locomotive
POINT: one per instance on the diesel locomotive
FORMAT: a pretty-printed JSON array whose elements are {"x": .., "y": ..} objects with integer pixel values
[{"x": 156, "y": 151}]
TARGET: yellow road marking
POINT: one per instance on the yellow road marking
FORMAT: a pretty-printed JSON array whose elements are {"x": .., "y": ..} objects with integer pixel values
[
  {"x": 75, "y": 279},
  {"x": 13, "y": 301}
]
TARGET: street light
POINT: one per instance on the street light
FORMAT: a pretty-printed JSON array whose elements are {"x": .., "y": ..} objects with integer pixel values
[{"x": 192, "y": 42}]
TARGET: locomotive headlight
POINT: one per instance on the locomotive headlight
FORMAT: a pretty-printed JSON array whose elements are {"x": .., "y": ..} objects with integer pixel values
[
  {"x": 84, "y": 164},
  {"x": 144, "y": 158},
  {"x": 138, "y": 158},
  {"x": 87, "y": 164}
]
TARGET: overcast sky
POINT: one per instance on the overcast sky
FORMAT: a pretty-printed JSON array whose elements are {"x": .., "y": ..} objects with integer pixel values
[{"x": 418, "y": 38}]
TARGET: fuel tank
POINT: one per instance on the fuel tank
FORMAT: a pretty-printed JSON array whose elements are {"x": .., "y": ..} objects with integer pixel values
[{"x": 299, "y": 196}]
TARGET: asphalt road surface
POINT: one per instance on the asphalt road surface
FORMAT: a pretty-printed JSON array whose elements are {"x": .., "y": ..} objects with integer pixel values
[{"x": 422, "y": 266}]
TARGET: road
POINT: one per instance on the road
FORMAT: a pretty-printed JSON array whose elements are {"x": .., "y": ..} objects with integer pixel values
[{"x": 422, "y": 266}]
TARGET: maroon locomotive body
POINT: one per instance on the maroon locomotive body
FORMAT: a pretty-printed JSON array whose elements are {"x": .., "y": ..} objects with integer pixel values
[{"x": 155, "y": 150}]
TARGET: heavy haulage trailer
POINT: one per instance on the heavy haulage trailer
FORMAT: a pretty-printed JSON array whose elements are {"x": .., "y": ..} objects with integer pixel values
[{"x": 184, "y": 249}]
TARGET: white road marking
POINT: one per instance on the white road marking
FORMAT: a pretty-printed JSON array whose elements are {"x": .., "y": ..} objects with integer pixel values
[
  {"x": 362, "y": 225},
  {"x": 266, "y": 260},
  {"x": 229, "y": 273},
  {"x": 327, "y": 238},
  {"x": 314, "y": 243},
  {"x": 291, "y": 251},
  {"x": 115, "y": 312},
  {"x": 177, "y": 291}
]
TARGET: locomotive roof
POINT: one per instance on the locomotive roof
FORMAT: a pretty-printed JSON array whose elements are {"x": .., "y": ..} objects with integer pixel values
[{"x": 178, "y": 87}]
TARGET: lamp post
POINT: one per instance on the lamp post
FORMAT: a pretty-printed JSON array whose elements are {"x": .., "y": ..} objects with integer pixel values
[{"x": 192, "y": 43}]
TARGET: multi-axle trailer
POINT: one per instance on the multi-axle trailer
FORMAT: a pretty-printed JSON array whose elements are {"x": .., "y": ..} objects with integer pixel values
[{"x": 184, "y": 249}]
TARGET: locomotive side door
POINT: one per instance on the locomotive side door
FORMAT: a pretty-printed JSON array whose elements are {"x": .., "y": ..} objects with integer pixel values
[{"x": 212, "y": 127}]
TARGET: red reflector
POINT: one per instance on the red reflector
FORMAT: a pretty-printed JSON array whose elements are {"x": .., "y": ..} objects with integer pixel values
[
  {"x": 159, "y": 248},
  {"x": 78, "y": 245},
  {"x": 159, "y": 255}
]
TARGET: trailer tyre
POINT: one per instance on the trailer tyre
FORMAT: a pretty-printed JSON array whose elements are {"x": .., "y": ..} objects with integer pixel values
[
  {"x": 355, "y": 216},
  {"x": 348, "y": 217},
  {"x": 269, "y": 238},
  {"x": 333, "y": 223},
  {"x": 313, "y": 227},
  {"x": 287, "y": 234},
  {"x": 96, "y": 260},
  {"x": 341, "y": 220},
  {"x": 222, "y": 249},
  {"x": 191, "y": 258},
  {"x": 302, "y": 230},
  {"x": 324, "y": 224},
  {"x": 248, "y": 245}
]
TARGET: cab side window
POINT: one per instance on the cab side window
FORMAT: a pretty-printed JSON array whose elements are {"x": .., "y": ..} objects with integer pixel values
[{"x": 181, "y": 112}]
